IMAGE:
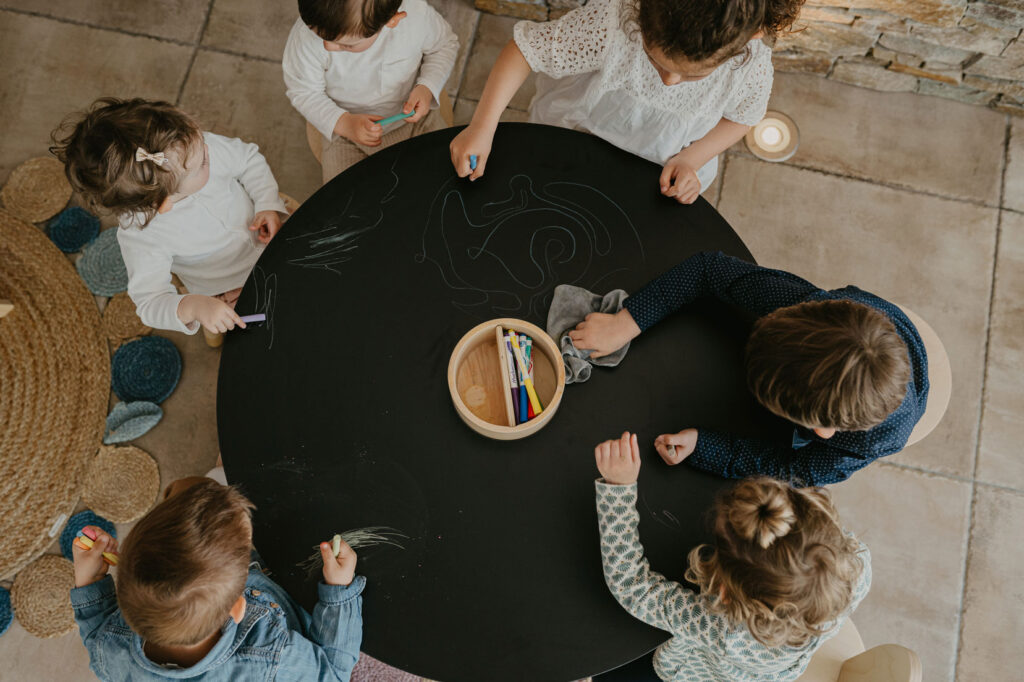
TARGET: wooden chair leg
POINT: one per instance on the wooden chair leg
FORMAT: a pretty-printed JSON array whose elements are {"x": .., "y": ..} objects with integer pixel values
[
  {"x": 213, "y": 339},
  {"x": 444, "y": 106}
]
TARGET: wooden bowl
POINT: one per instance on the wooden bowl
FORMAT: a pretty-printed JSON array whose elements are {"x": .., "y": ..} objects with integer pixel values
[{"x": 478, "y": 379}]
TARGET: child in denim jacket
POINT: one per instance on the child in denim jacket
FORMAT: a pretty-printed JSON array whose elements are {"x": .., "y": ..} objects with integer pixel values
[{"x": 190, "y": 604}]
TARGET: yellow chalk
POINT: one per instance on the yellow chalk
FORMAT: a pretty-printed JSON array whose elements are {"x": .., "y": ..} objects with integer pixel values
[
  {"x": 534, "y": 400},
  {"x": 85, "y": 543}
]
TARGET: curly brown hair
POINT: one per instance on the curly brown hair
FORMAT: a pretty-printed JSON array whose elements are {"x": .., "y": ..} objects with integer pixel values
[
  {"x": 708, "y": 30},
  {"x": 97, "y": 147},
  {"x": 780, "y": 562}
]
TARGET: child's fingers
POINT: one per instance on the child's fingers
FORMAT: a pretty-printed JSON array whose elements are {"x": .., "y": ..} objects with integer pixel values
[
  {"x": 624, "y": 445},
  {"x": 481, "y": 163},
  {"x": 234, "y": 318},
  {"x": 667, "y": 174},
  {"x": 634, "y": 448}
]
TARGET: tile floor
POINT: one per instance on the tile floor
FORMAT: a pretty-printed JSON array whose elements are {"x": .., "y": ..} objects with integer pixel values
[{"x": 920, "y": 200}]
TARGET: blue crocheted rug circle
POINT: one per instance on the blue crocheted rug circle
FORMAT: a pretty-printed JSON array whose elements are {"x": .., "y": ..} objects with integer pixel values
[
  {"x": 73, "y": 228},
  {"x": 102, "y": 267},
  {"x": 147, "y": 369},
  {"x": 77, "y": 523},
  {"x": 128, "y": 421},
  {"x": 6, "y": 612}
]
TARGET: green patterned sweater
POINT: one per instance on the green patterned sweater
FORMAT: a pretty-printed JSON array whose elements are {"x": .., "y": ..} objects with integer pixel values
[{"x": 705, "y": 646}]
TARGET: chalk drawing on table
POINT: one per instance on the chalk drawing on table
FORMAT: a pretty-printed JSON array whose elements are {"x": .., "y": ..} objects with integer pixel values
[
  {"x": 266, "y": 299},
  {"x": 507, "y": 256},
  {"x": 335, "y": 244},
  {"x": 664, "y": 517}
]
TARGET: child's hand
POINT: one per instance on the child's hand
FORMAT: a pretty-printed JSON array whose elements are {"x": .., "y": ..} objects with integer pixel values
[
  {"x": 360, "y": 128},
  {"x": 266, "y": 224},
  {"x": 473, "y": 141},
  {"x": 341, "y": 569},
  {"x": 675, "y": 447},
  {"x": 214, "y": 314},
  {"x": 419, "y": 101},
  {"x": 619, "y": 460},
  {"x": 679, "y": 180},
  {"x": 89, "y": 563},
  {"x": 603, "y": 333}
]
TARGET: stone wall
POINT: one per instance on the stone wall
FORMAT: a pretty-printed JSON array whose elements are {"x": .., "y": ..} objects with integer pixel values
[{"x": 968, "y": 50}]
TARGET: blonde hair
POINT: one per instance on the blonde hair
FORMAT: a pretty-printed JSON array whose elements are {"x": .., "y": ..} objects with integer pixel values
[
  {"x": 98, "y": 148},
  {"x": 780, "y": 562},
  {"x": 185, "y": 563},
  {"x": 836, "y": 364}
]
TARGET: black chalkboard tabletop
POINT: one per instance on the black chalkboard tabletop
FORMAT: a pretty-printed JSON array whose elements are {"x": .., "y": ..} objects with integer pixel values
[{"x": 335, "y": 414}]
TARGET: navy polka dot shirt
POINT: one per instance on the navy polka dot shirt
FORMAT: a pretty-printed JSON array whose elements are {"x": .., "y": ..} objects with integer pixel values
[{"x": 807, "y": 459}]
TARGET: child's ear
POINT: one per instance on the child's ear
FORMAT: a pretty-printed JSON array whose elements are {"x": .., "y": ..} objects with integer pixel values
[
  {"x": 238, "y": 609},
  {"x": 165, "y": 206},
  {"x": 395, "y": 19}
]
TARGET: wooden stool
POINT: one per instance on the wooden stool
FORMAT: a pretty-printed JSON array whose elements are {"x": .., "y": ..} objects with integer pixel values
[
  {"x": 216, "y": 340},
  {"x": 940, "y": 378},
  {"x": 315, "y": 139},
  {"x": 843, "y": 659}
]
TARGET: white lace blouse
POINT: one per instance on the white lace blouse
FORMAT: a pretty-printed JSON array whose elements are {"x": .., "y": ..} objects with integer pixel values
[{"x": 596, "y": 77}]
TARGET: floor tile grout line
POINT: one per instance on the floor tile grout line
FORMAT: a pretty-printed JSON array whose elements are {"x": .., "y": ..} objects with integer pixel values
[
  {"x": 721, "y": 180},
  {"x": 470, "y": 44},
  {"x": 981, "y": 403},
  {"x": 870, "y": 181},
  {"x": 195, "y": 53},
  {"x": 148, "y": 36},
  {"x": 949, "y": 477},
  {"x": 87, "y": 24}
]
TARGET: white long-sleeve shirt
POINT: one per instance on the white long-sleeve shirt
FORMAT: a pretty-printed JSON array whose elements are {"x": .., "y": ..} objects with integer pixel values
[
  {"x": 595, "y": 76},
  {"x": 323, "y": 85},
  {"x": 204, "y": 238}
]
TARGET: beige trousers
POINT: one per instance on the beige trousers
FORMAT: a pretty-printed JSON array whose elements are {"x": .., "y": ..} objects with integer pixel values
[{"x": 342, "y": 152}]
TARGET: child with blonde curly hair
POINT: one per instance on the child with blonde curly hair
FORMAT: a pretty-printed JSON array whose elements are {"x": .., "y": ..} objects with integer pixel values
[
  {"x": 780, "y": 577},
  {"x": 192, "y": 203}
]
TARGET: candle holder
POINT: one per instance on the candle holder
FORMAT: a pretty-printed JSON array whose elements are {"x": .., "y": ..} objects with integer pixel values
[{"x": 775, "y": 138}]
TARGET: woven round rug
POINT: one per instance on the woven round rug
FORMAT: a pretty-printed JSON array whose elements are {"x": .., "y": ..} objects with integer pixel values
[
  {"x": 54, "y": 390},
  {"x": 41, "y": 596},
  {"x": 146, "y": 369},
  {"x": 73, "y": 228},
  {"x": 128, "y": 421},
  {"x": 77, "y": 523},
  {"x": 36, "y": 190},
  {"x": 121, "y": 483},
  {"x": 6, "y": 610},
  {"x": 121, "y": 322},
  {"x": 102, "y": 267}
]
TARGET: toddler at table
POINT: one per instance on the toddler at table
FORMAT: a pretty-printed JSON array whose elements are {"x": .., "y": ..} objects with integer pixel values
[
  {"x": 846, "y": 367},
  {"x": 779, "y": 578},
  {"x": 192, "y": 203},
  {"x": 350, "y": 63},
  {"x": 674, "y": 81},
  {"x": 191, "y": 602}
]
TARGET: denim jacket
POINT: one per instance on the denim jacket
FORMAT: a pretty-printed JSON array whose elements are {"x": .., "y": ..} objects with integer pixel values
[{"x": 276, "y": 640}]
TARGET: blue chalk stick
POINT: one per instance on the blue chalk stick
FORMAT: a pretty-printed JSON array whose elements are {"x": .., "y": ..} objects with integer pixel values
[
  {"x": 472, "y": 162},
  {"x": 396, "y": 117}
]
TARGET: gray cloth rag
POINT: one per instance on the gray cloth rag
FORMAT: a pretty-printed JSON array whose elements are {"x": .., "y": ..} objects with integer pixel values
[{"x": 569, "y": 306}]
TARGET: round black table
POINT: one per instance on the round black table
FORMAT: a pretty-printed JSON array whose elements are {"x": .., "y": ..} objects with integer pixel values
[{"x": 336, "y": 413}]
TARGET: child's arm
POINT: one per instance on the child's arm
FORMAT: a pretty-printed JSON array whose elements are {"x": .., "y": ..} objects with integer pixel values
[
  {"x": 508, "y": 74},
  {"x": 337, "y": 628},
  {"x": 748, "y": 286},
  {"x": 573, "y": 44},
  {"x": 820, "y": 462},
  {"x": 679, "y": 176},
  {"x": 93, "y": 598},
  {"x": 303, "y": 65},
  {"x": 646, "y": 594},
  {"x": 440, "y": 47},
  {"x": 253, "y": 172}
]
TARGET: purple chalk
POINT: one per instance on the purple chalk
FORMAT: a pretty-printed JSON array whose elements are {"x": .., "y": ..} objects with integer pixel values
[{"x": 258, "y": 317}]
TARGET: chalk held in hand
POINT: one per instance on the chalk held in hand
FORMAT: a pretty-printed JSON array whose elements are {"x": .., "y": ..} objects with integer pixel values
[
  {"x": 472, "y": 162},
  {"x": 256, "y": 317},
  {"x": 397, "y": 117},
  {"x": 85, "y": 542}
]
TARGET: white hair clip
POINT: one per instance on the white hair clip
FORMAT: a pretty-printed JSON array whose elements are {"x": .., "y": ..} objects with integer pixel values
[{"x": 142, "y": 155}]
